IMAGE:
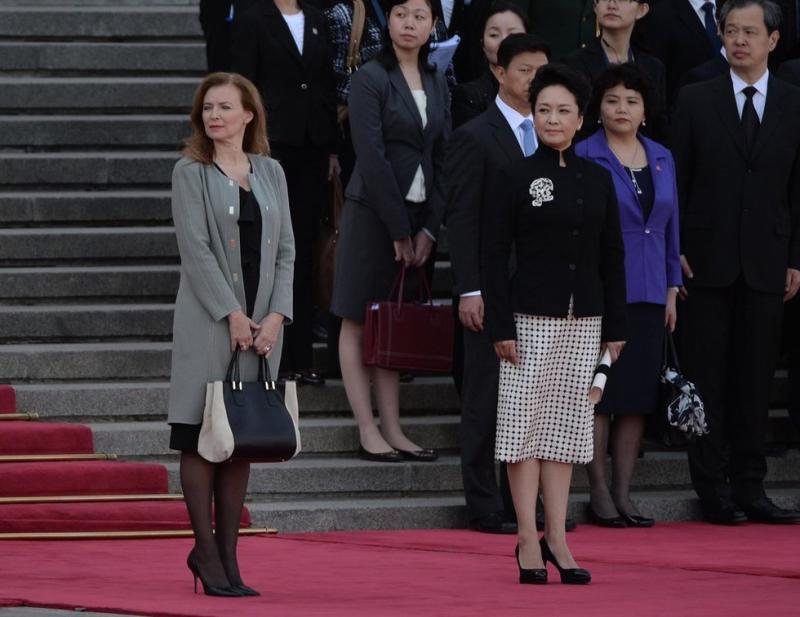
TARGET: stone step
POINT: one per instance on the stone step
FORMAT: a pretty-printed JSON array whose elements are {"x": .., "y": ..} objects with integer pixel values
[
  {"x": 94, "y": 169},
  {"x": 84, "y": 361},
  {"x": 447, "y": 511},
  {"x": 107, "y": 57},
  {"x": 148, "y": 440},
  {"x": 125, "y": 401},
  {"x": 102, "y": 95},
  {"x": 85, "y": 322},
  {"x": 27, "y": 247},
  {"x": 147, "y": 207},
  {"x": 97, "y": 283},
  {"x": 315, "y": 476},
  {"x": 102, "y": 131},
  {"x": 99, "y": 22}
]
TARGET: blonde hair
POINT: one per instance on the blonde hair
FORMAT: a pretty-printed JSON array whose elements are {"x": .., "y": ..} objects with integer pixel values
[{"x": 200, "y": 146}]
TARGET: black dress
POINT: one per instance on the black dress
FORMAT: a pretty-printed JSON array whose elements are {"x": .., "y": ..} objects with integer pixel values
[
  {"x": 184, "y": 436},
  {"x": 632, "y": 387}
]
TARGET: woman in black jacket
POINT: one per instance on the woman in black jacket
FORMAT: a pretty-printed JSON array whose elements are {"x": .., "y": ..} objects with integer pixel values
[{"x": 549, "y": 322}]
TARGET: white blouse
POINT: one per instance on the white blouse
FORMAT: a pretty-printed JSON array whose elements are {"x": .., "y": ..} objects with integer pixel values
[{"x": 416, "y": 193}]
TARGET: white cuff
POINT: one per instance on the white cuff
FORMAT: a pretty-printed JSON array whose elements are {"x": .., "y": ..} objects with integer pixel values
[
  {"x": 471, "y": 293},
  {"x": 429, "y": 234}
]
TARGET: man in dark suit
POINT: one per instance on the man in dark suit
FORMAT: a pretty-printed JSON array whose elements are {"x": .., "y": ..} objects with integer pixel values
[
  {"x": 465, "y": 18},
  {"x": 502, "y": 134},
  {"x": 680, "y": 33},
  {"x": 736, "y": 142},
  {"x": 282, "y": 47}
]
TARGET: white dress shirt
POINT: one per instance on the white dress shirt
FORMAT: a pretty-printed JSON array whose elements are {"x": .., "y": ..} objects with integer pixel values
[
  {"x": 416, "y": 192},
  {"x": 697, "y": 5},
  {"x": 447, "y": 9},
  {"x": 297, "y": 24},
  {"x": 759, "y": 98},
  {"x": 514, "y": 119}
]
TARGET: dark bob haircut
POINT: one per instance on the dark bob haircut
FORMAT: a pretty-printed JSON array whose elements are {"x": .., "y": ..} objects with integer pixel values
[
  {"x": 557, "y": 74},
  {"x": 633, "y": 78},
  {"x": 772, "y": 12},
  {"x": 386, "y": 55},
  {"x": 506, "y": 7},
  {"x": 515, "y": 44}
]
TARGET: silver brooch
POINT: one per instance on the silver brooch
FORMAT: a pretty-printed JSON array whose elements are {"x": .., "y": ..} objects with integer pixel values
[{"x": 541, "y": 190}]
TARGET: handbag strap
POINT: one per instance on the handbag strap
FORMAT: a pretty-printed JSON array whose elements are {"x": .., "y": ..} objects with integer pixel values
[
  {"x": 670, "y": 354},
  {"x": 356, "y": 30},
  {"x": 264, "y": 374},
  {"x": 232, "y": 374},
  {"x": 400, "y": 281}
]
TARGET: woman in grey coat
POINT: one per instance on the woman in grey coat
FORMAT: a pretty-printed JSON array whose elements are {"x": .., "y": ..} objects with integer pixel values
[{"x": 231, "y": 213}]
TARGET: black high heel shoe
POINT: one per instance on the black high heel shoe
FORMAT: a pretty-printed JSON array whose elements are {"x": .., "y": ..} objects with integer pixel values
[
  {"x": 616, "y": 522},
  {"x": 209, "y": 590},
  {"x": 635, "y": 520},
  {"x": 569, "y": 576},
  {"x": 531, "y": 576},
  {"x": 244, "y": 590}
]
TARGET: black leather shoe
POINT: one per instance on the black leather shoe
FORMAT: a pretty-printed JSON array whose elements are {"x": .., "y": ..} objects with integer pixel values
[
  {"x": 636, "y": 520},
  {"x": 245, "y": 590},
  {"x": 530, "y": 576},
  {"x": 615, "y": 522},
  {"x": 721, "y": 511},
  {"x": 569, "y": 576},
  {"x": 494, "y": 523},
  {"x": 406, "y": 377},
  {"x": 764, "y": 510},
  {"x": 420, "y": 456},
  {"x": 393, "y": 456},
  {"x": 307, "y": 376}
]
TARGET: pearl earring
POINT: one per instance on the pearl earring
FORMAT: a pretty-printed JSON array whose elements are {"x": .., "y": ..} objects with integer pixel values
[
  {"x": 644, "y": 122},
  {"x": 599, "y": 121}
]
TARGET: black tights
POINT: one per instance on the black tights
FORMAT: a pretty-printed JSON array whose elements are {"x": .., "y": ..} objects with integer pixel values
[{"x": 225, "y": 484}]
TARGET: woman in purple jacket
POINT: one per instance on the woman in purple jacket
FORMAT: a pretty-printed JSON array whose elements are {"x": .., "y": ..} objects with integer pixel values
[{"x": 644, "y": 178}]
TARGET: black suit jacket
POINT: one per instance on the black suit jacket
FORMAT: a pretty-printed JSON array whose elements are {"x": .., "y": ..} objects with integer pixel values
[
  {"x": 474, "y": 154},
  {"x": 467, "y": 22},
  {"x": 473, "y": 98},
  {"x": 591, "y": 61},
  {"x": 298, "y": 90},
  {"x": 708, "y": 70},
  {"x": 568, "y": 244},
  {"x": 789, "y": 71},
  {"x": 674, "y": 34},
  {"x": 740, "y": 209}
]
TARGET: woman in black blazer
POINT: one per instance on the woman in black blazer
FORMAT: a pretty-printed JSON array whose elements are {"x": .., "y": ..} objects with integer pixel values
[
  {"x": 566, "y": 296},
  {"x": 282, "y": 46},
  {"x": 395, "y": 199}
]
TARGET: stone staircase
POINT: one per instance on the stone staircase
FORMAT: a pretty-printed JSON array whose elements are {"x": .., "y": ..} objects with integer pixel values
[{"x": 94, "y": 103}]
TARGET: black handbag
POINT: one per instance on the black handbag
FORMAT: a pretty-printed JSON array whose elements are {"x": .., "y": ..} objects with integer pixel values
[
  {"x": 684, "y": 404},
  {"x": 250, "y": 421}
]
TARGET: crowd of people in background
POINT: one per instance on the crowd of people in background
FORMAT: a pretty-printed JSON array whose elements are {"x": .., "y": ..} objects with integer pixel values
[{"x": 606, "y": 171}]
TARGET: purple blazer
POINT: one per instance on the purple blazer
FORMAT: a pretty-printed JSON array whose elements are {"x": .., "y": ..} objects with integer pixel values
[{"x": 652, "y": 247}]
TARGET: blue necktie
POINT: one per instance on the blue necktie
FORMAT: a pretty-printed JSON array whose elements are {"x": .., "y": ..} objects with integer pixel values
[
  {"x": 711, "y": 26},
  {"x": 528, "y": 142}
]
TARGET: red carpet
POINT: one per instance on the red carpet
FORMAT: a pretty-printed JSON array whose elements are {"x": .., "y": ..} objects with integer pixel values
[
  {"x": 685, "y": 570},
  {"x": 45, "y": 438},
  {"x": 8, "y": 399}
]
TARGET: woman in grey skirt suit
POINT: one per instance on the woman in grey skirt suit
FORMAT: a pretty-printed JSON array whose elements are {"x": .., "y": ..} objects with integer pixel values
[
  {"x": 550, "y": 320},
  {"x": 231, "y": 213},
  {"x": 399, "y": 106}
]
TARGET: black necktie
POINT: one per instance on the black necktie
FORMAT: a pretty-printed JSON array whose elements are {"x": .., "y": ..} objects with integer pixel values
[
  {"x": 750, "y": 121},
  {"x": 711, "y": 26}
]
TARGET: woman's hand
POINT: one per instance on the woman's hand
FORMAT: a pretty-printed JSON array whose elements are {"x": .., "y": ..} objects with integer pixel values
[
  {"x": 687, "y": 272},
  {"x": 671, "y": 311},
  {"x": 507, "y": 350},
  {"x": 267, "y": 336},
  {"x": 614, "y": 349},
  {"x": 404, "y": 251},
  {"x": 423, "y": 245},
  {"x": 241, "y": 328},
  {"x": 334, "y": 169}
]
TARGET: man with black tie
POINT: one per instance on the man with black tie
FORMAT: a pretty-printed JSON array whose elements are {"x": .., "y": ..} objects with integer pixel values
[
  {"x": 737, "y": 152},
  {"x": 502, "y": 134}
]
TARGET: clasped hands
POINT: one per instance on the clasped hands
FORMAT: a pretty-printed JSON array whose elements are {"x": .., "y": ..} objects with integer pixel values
[
  {"x": 413, "y": 252},
  {"x": 246, "y": 333},
  {"x": 507, "y": 350}
]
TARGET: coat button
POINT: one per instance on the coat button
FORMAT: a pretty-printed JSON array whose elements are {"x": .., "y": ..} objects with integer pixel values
[
  {"x": 304, "y": 86},
  {"x": 269, "y": 241},
  {"x": 579, "y": 201},
  {"x": 572, "y": 266},
  {"x": 233, "y": 243},
  {"x": 647, "y": 231},
  {"x": 235, "y": 277},
  {"x": 576, "y": 232}
]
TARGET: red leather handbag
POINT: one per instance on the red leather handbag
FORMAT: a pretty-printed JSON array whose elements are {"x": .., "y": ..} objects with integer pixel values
[{"x": 409, "y": 336}]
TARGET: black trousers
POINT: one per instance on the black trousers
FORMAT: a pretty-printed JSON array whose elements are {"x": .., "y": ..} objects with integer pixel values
[
  {"x": 481, "y": 375},
  {"x": 731, "y": 339},
  {"x": 791, "y": 343},
  {"x": 306, "y": 170}
]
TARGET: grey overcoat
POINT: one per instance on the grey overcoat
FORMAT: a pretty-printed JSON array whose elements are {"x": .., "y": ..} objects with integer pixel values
[{"x": 205, "y": 208}]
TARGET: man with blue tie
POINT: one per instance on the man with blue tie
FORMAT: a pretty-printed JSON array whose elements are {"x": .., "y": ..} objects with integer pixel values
[
  {"x": 501, "y": 135},
  {"x": 736, "y": 143}
]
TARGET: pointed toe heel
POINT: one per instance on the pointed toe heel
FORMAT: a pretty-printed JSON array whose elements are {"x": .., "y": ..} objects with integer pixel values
[
  {"x": 569, "y": 576},
  {"x": 209, "y": 590},
  {"x": 530, "y": 576}
]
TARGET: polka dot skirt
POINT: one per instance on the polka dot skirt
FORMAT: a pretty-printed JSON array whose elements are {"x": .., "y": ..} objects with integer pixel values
[{"x": 543, "y": 409}]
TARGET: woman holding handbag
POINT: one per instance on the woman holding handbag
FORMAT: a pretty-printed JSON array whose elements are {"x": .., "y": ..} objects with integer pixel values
[
  {"x": 564, "y": 303},
  {"x": 644, "y": 180},
  {"x": 393, "y": 209},
  {"x": 232, "y": 221}
]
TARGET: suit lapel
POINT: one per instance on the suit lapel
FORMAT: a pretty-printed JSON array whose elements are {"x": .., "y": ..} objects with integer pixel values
[
  {"x": 662, "y": 181},
  {"x": 504, "y": 134},
  {"x": 725, "y": 106},
  {"x": 281, "y": 31},
  {"x": 772, "y": 115},
  {"x": 685, "y": 13},
  {"x": 401, "y": 87}
]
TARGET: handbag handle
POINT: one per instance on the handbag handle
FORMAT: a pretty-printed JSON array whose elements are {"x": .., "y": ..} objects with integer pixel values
[
  {"x": 233, "y": 374},
  {"x": 399, "y": 284},
  {"x": 669, "y": 351}
]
